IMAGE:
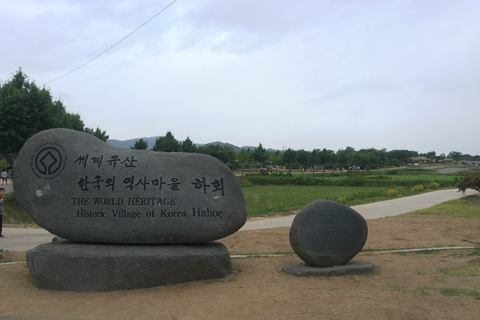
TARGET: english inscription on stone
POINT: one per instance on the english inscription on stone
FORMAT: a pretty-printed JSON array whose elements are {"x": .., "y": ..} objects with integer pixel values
[
  {"x": 82, "y": 189},
  {"x": 326, "y": 233}
]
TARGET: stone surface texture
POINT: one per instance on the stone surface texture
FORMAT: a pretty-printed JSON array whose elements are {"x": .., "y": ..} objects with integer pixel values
[
  {"x": 85, "y": 267},
  {"x": 353, "y": 267},
  {"x": 327, "y": 233},
  {"x": 82, "y": 189}
]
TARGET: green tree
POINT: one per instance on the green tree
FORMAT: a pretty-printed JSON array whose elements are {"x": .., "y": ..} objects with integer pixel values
[
  {"x": 349, "y": 150},
  {"x": 244, "y": 157},
  {"x": 4, "y": 165},
  {"x": 276, "y": 158},
  {"x": 398, "y": 157},
  {"x": 455, "y": 155},
  {"x": 325, "y": 158},
  {"x": 378, "y": 158},
  {"x": 315, "y": 158},
  {"x": 432, "y": 155},
  {"x": 302, "y": 158},
  {"x": 289, "y": 157},
  {"x": 357, "y": 158},
  {"x": 470, "y": 181},
  {"x": 365, "y": 160},
  {"x": 228, "y": 157},
  {"x": 26, "y": 109},
  {"x": 167, "y": 143},
  {"x": 260, "y": 154},
  {"x": 369, "y": 158},
  {"x": 342, "y": 158},
  {"x": 102, "y": 135},
  {"x": 73, "y": 121},
  {"x": 188, "y": 146},
  {"x": 140, "y": 145},
  {"x": 333, "y": 159},
  {"x": 224, "y": 154}
]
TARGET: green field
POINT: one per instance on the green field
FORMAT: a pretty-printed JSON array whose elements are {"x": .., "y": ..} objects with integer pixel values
[
  {"x": 265, "y": 200},
  {"x": 282, "y": 192}
]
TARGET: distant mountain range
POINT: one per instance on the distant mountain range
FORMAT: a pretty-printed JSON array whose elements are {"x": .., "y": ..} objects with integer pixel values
[{"x": 126, "y": 144}]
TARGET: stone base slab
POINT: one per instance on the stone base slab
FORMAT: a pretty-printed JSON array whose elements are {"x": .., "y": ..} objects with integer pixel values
[
  {"x": 353, "y": 267},
  {"x": 86, "y": 267}
]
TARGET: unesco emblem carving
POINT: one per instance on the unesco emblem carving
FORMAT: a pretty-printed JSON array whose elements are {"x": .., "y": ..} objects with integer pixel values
[{"x": 48, "y": 161}]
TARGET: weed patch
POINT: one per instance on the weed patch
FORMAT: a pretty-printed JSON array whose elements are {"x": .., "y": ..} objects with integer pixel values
[
  {"x": 469, "y": 270},
  {"x": 474, "y": 293},
  {"x": 405, "y": 289},
  {"x": 15, "y": 213}
]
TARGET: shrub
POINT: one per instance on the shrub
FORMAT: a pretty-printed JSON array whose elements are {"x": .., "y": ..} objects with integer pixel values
[
  {"x": 342, "y": 199},
  {"x": 357, "y": 182},
  {"x": 455, "y": 181},
  {"x": 301, "y": 179},
  {"x": 380, "y": 177},
  {"x": 390, "y": 193},
  {"x": 392, "y": 172},
  {"x": 418, "y": 188},
  {"x": 433, "y": 185}
]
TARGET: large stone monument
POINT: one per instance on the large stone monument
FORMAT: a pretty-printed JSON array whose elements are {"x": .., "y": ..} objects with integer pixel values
[
  {"x": 326, "y": 235},
  {"x": 125, "y": 218}
]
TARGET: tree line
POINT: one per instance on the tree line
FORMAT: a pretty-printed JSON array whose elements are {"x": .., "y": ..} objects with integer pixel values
[{"x": 347, "y": 158}]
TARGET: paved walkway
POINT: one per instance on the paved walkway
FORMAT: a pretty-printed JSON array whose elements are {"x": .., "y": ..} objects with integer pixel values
[
  {"x": 376, "y": 210},
  {"x": 7, "y": 187},
  {"x": 23, "y": 239}
]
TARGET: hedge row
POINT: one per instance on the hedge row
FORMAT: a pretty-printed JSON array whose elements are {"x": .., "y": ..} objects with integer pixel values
[{"x": 351, "y": 181}]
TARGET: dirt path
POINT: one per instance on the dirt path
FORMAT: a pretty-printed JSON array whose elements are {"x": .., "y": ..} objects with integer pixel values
[{"x": 404, "y": 286}]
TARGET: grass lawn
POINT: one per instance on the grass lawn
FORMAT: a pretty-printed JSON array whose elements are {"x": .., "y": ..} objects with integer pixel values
[
  {"x": 466, "y": 207},
  {"x": 262, "y": 200}
]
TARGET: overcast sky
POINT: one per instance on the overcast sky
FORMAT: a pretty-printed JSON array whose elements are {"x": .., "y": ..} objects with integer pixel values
[{"x": 394, "y": 74}]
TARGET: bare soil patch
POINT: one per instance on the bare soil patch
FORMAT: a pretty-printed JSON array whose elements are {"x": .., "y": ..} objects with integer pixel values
[{"x": 404, "y": 286}]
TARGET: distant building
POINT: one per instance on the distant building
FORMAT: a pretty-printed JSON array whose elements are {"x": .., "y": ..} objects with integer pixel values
[
  {"x": 420, "y": 159},
  {"x": 467, "y": 162},
  {"x": 447, "y": 161}
]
